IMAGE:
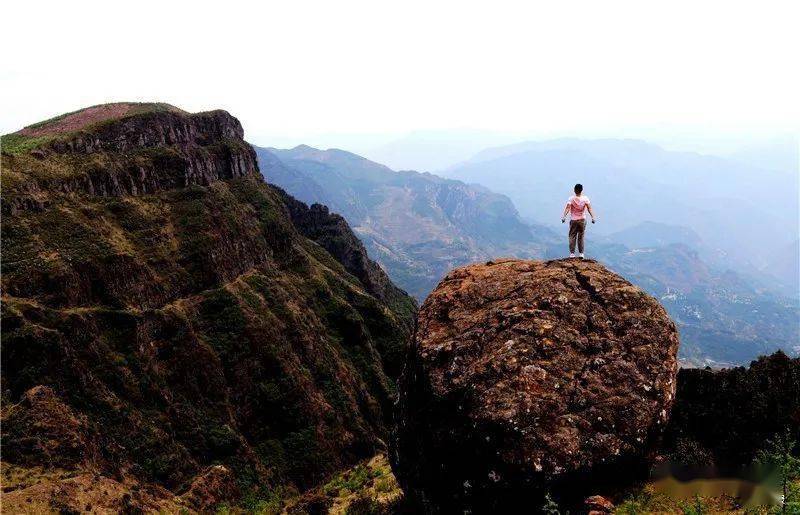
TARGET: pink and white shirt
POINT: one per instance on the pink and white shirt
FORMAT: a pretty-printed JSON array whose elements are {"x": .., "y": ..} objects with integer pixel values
[{"x": 577, "y": 205}]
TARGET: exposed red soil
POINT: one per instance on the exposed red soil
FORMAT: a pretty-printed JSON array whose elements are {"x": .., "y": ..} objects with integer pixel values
[{"x": 80, "y": 119}]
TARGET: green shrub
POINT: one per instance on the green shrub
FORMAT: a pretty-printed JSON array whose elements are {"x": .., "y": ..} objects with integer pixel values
[
  {"x": 384, "y": 485},
  {"x": 645, "y": 501},
  {"x": 696, "y": 507},
  {"x": 780, "y": 456},
  {"x": 19, "y": 143},
  {"x": 550, "y": 507},
  {"x": 267, "y": 503},
  {"x": 354, "y": 480},
  {"x": 223, "y": 440}
]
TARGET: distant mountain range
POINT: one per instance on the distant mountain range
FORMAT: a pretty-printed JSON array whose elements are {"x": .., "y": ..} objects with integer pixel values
[
  {"x": 653, "y": 234},
  {"x": 433, "y": 150},
  {"x": 418, "y": 226},
  {"x": 778, "y": 153},
  {"x": 747, "y": 213},
  {"x": 437, "y": 150}
]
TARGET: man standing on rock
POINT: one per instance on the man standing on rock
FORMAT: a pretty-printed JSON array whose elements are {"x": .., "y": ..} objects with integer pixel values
[{"x": 576, "y": 205}]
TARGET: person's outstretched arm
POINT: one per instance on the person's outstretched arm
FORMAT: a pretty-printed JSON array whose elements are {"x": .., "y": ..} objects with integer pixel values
[
  {"x": 591, "y": 213},
  {"x": 564, "y": 214}
]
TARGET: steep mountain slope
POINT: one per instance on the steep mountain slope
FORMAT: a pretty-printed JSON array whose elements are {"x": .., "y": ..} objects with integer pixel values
[
  {"x": 418, "y": 226},
  {"x": 745, "y": 211},
  {"x": 166, "y": 311}
]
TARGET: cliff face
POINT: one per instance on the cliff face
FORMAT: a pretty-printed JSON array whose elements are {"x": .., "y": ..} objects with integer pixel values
[
  {"x": 174, "y": 312},
  {"x": 331, "y": 231},
  {"x": 139, "y": 154}
]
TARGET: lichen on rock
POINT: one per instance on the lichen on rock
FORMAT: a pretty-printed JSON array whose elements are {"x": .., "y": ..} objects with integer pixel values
[{"x": 523, "y": 374}]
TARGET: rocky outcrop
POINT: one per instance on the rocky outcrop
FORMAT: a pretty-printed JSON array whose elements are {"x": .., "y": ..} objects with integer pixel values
[
  {"x": 182, "y": 320},
  {"x": 597, "y": 505},
  {"x": 213, "y": 486},
  {"x": 152, "y": 129},
  {"x": 526, "y": 375}
]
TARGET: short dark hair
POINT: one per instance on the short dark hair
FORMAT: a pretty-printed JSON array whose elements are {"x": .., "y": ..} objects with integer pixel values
[{"x": 578, "y": 188}]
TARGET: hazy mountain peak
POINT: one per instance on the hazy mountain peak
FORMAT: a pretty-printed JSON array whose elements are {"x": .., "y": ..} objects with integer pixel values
[
  {"x": 337, "y": 155},
  {"x": 589, "y": 146},
  {"x": 304, "y": 148}
]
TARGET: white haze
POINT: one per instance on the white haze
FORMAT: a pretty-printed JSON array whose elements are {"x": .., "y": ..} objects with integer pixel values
[{"x": 364, "y": 74}]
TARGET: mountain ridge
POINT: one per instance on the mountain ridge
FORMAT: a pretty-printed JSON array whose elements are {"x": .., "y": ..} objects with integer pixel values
[
  {"x": 417, "y": 225},
  {"x": 167, "y": 313}
]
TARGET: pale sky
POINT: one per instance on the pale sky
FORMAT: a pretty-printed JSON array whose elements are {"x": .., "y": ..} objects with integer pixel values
[{"x": 298, "y": 67}]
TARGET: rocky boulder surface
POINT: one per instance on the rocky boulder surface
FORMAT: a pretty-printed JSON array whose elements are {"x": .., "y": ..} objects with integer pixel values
[{"x": 524, "y": 376}]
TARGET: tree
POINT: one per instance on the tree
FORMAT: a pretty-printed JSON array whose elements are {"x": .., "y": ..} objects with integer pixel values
[
  {"x": 778, "y": 455},
  {"x": 550, "y": 507}
]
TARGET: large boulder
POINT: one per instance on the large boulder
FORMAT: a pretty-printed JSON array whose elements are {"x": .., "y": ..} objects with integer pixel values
[{"x": 527, "y": 376}]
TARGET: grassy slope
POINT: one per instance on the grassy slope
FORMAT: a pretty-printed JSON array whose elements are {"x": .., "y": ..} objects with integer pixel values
[{"x": 206, "y": 297}]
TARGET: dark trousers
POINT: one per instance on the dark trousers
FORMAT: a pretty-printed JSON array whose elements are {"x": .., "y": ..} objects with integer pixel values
[{"x": 576, "y": 230}]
